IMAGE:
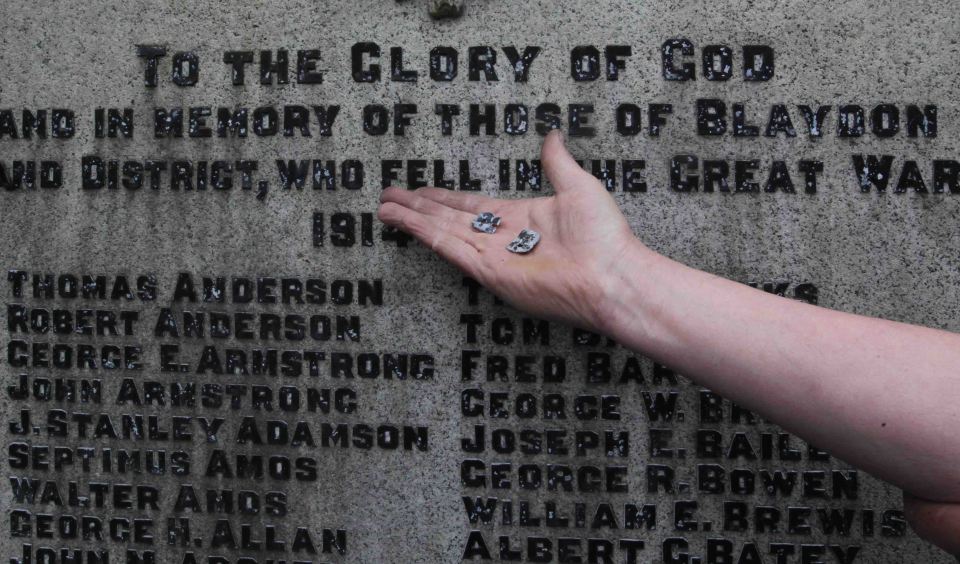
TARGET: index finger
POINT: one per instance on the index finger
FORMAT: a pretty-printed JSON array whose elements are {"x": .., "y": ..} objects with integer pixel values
[{"x": 435, "y": 236}]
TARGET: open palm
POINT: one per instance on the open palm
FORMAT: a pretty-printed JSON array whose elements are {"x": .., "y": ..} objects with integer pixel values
[{"x": 583, "y": 235}]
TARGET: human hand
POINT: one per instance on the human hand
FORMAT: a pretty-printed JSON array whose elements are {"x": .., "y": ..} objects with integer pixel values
[{"x": 569, "y": 276}]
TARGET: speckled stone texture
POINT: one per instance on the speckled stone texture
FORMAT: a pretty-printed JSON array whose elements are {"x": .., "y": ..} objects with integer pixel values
[{"x": 891, "y": 255}]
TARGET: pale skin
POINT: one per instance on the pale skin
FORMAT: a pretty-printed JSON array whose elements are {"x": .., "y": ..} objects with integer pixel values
[{"x": 881, "y": 395}]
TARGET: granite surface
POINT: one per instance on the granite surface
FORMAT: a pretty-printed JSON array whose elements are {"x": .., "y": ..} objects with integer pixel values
[{"x": 395, "y": 491}]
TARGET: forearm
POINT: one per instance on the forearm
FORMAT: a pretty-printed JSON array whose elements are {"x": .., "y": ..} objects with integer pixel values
[
  {"x": 878, "y": 394},
  {"x": 939, "y": 523}
]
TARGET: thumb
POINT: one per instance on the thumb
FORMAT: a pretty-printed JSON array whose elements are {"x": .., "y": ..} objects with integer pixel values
[{"x": 562, "y": 171}]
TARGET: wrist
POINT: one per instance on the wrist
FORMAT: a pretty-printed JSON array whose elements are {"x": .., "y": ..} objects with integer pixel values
[{"x": 626, "y": 290}]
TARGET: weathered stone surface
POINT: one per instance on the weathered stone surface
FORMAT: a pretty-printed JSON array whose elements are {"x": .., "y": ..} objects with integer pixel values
[{"x": 416, "y": 349}]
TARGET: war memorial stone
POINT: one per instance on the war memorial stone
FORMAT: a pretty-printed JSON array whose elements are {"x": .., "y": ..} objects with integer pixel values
[{"x": 215, "y": 353}]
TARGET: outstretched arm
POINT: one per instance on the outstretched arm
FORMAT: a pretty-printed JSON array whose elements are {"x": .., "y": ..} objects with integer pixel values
[
  {"x": 937, "y": 522},
  {"x": 881, "y": 395}
]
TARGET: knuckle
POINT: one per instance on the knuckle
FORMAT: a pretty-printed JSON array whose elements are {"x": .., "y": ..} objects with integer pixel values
[{"x": 389, "y": 212}]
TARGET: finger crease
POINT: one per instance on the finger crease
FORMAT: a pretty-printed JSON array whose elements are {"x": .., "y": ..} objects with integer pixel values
[{"x": 440, "y": 233}]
